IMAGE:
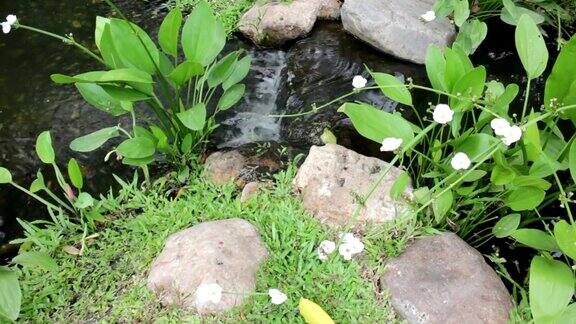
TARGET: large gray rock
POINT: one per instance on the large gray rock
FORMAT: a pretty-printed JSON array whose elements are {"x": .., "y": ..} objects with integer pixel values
[
  {"x": 395, "y": 27},
  {"x": 331, "y": 179},
  {"x": 441, "y": 279},
  {"x": 226, "y": 252},
  {"x": 273, "y": 23}
]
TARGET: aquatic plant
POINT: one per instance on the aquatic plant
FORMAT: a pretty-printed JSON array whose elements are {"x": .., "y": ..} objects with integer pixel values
[
  {"x": 476, "y": 162},
  {"x": 184, "y": 94}
]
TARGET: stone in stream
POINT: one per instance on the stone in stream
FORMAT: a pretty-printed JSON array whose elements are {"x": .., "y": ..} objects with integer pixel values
[
  {"x": 395, "y": 26},
  {"x": 441, "y": 279},
  {"x": 275, "y": 23},
  {"x": 333, "y": 177},
  {"x": 226, "y": 252}
]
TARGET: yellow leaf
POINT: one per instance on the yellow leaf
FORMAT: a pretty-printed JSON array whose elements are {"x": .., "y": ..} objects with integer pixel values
[{"x": 312, "y": 313}]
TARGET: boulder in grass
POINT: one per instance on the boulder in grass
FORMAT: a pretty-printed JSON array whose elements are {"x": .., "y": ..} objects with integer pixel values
[
  {"x": 441, "y": 279},
  {"x": 226, "y": 253},
  {"x": 332, "y": 178}
]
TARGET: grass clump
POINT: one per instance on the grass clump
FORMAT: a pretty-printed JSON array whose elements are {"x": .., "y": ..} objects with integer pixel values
[
  {"x": 227, "y": 11},
  {"x": 108, "y": 283}
]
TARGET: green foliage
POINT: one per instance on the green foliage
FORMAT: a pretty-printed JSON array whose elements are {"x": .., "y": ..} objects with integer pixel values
[
  {"x": 551, "y": 289},
  {"x": 531, "y": 47},
  {"x": 10, "y": 294}
]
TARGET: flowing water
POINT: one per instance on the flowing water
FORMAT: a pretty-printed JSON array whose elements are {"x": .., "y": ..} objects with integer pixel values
[{"x": 287, "y": 80}]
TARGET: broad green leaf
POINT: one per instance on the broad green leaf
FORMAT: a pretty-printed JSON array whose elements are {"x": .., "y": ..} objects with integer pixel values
[
  {"x": 34, "y": 259},
  {"x": 186, "y": 145},
  {"x": 169, "y": 32},
  {"x": 119, "y": 75},
  {"x": 551, "y": 287},
  {"x": 511, "y": 13},
  {"x": 560, "y": 85},
  {"x": 531, "y": 47},
  {"x": 95, "y": 95},
  {"x": 138, "y": 162},
  {"x": 442, "y": 205},
  {"x": 503, "y": 102},
  {"x": 457, "y": 65},
  {"x": 101, "y": 23},
  {"x": 161, "y": 138},
  {"x": 506, "y": 225},
  {"x": 531, "y": 139},
  {"x": 92, "y": 141},
  {"x": 376, "y": 124},
  {"x": 38, "y": 183},
  {"x": 222, "y": 69},
  {"x": 393, "y": 88},
  {"x": 124, "y": 94},
  {"x": 137, "y": 148},
  {"x": 436, "y": 67},
  {"x": 461, "y": 11},
  {"x": 470, "y": 86},
  {"x": 231, "y": 96},
  {"x": 44, "y": 148},
  {"x": 241, "y": 69},
  {"x": 328, "y": 137},
  {"x": 185, "y": 71},
  {"x": 10, "y": 294},
  {"x": 443, "y": 7},
  {"x": 5, "y": 176},
  {"x": 194, "y": 118},
  {"x": 135, "y": 48},
  {"x": 545, "y": 166},
  {"x": 399, "y": 185},
  {"x": 572, "y": 160},
  {"x": 523, "y": 181},
  {"x": 203, "y": 36},
  {"x": 474, "y": 175},
  {"x": 84, "y": 201},
  {"x": 107, "y": 50},
  {"x": 313, "y": 313},
  {"x": 535, "y": 239},
  {"x": 568, "y": 316},
  {"x": 75, "y": 174},
  {"x": 476, "y": 145},
  {"x": 524, "y": 198},
  {"x": 471, "y": 34},
  {"x": 565, "y": 235}
]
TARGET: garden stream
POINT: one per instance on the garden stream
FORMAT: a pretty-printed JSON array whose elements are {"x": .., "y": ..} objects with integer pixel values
[{"x": 282, "y": 81}]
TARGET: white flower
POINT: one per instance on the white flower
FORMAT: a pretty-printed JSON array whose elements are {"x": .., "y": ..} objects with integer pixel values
[
  {"x": 276, "y": 296},
  {"x": 325, "y": 248},
  {"x": 390, "y": 144},
  {"x": 350, "y": 245},
  {"x": 512, "y": 134},
  {"x": 428, "y": 16},
  {"x": 499, "y": 125},
  {"x": 359, "y": 82},
  {"x": 460, "y": 161},
  {"x": 345, "y": 251},
  {"x": 442, "y": 114},
  {"x": 208, "y": 293},
  {"x": 7, "y": 25},
  {"x": 11, "y": 19}
]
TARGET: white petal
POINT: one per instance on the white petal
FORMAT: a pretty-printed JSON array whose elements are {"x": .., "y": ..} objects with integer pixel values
[
  {"x": 345, "y": 251},
  {"x": 276, "y": 296},
  {"x": 208, "y": 293},
  {"x": 359, "y": 82},
  {"x": 442, "y": 114},
  {"x": 6, "y": 27},
  {"x": 428, "y": 16},
  {"x": 460, "y": 161},
  {"x": 499, "y": 125},
  {"x": 390, "y": 144},
  {"x": 11, "y": 19},
  {"x": 327, "y": 246}
]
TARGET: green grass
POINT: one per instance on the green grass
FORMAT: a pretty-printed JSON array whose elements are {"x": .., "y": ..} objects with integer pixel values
[
  {"x": 228, "y": 11},
  {"x": 108, "y": 283}
]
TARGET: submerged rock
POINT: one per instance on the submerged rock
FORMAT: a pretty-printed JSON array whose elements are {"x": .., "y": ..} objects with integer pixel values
[
  {"x": 224, "y": 166},
  {"x": 395, "y": 26},
  {"x": 441, "y": 279},
  {"x": 226, "y": 252},
  {"x": 332, "y": 178}
]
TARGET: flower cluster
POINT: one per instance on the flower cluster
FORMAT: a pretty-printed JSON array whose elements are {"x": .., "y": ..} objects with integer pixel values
[
  {"x": 460, "y": 161},
  {"x": 7, "y": 25},
  {"x": 350, "y": 245},
  {"x": 212, "y": 293},
  {"x": 509, "y": 133},
  {"x": 442, "y": 114}
]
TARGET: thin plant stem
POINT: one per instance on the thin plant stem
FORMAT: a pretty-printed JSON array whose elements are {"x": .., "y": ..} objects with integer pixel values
[{"x": 35, "y": 196}]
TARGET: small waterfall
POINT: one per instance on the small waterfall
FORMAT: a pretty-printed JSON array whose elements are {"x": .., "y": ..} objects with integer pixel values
[{"x": 248, "y": 121}]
